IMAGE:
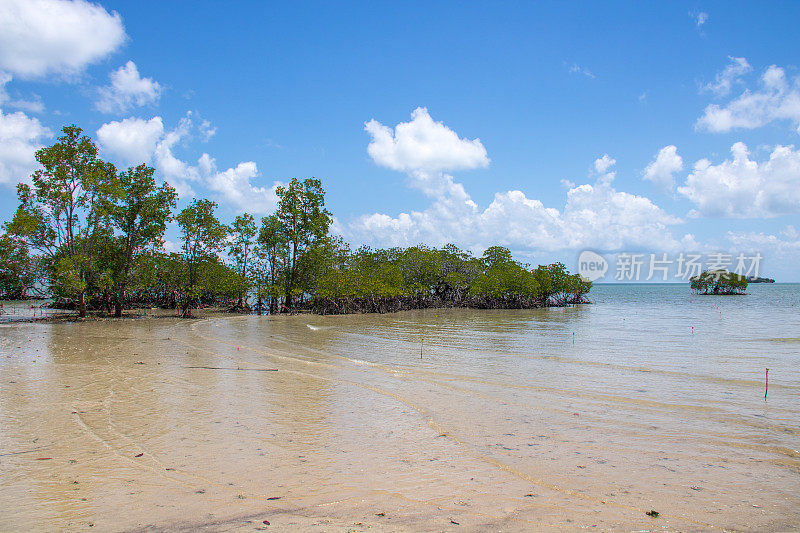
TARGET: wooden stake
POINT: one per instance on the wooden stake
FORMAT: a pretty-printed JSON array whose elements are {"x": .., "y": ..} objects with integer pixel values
[
  {"x": 766, "y": 384},
  {"x": 421, "y": 341}
]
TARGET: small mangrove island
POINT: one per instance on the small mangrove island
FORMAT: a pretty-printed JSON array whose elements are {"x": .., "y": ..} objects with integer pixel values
[
  {"x": 91, "y": 237},
  {"x": 756, "y": 279},
  {"x": 719, "y": 282}
]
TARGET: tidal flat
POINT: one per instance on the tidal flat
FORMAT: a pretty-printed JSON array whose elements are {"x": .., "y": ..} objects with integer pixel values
[{"x": 577, "y": 418}]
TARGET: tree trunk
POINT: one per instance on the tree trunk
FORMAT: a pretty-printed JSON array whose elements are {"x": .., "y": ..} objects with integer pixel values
[
  {"x": 287, "y": 303},
  {"x": 118, "y": 303},
  {"x": 186, "y": 307},
  {"x": 82, "y": 304}
]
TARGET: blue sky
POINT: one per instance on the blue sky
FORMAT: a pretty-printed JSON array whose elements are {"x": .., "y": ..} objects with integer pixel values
[{"x": 494, "y": 122}]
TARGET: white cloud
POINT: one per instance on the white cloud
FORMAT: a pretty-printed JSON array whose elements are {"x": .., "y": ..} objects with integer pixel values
[
  {"x": 34, "y": 105},
  {"x": 20, "y": 137},
  {"x": 132, "y": 140},
  {"x": 178, "y": 172},
  {"x": 577, "y": 69},
  {"x": 126, "y": 90},
  {"x": 780, "y": 251},
  {"x": 234, "y": 187},
  {"x": 661, "y": 171},
  {"x": 5, "y": 78},
  {"x": 701, "y": 18},
  {"x": 595, "y": 215},
  {"x": 742, "y": 188},
  {"x": 777, "y": 99},
  {"x": 602, "y": 164},
  {"x": 62, "y": 37},
  {"x": 135, "y": 140},
  {"x": 731, "y": 74},
  {"x": 423, "y": 145},
  {"x": 171, "y": 246},
  {"x": 207, "y": 130},
  {"x": 787, "y": 240}
]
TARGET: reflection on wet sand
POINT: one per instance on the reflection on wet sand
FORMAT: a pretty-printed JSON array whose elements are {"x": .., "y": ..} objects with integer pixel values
[{"x": 502, "y": 423}]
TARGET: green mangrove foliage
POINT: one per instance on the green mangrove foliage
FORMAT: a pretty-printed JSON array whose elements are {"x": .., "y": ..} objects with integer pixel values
[
  {"x": 92, "y": 237},
  {"x": 242, "y": 232},
  {"x": 269, "y": 258},
  {"x": 718, "y": 282},
  {"x": 60, "y": 215},
  {"x": 19, "y": 270},
  {"x": 139, "y": 211},
  {"x": 420, "y": 277},
  {"x": 202, "y": 236},
  {"x": 304, "y": 221}
]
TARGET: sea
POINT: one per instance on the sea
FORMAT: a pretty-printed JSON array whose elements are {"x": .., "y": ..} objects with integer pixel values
[{"x": 651, "y": 398}]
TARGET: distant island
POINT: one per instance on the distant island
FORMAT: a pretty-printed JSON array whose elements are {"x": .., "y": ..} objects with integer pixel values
[
  {"x": 718, "y": 282},
  {"x": 756, "y": 279}
]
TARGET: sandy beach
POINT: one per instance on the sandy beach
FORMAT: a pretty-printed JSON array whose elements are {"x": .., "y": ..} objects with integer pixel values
[{"x": 224, "y": 423}]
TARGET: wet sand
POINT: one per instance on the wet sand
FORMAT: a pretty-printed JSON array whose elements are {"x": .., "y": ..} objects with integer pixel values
[{"x": 364, "y": 423}]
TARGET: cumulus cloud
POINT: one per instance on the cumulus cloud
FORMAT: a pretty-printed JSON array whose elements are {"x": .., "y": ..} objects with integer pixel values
[
  {"x": 661, "y": 171},
  {"x": 602, "y": 164},
  {"x": 594, "y": 215},
  {"x": 742, "y": 188},
  {"x": 777, "y": 99},
  {"x": 731, "y": 74},
  {"x": 20, "y": 137},
  {"x": 423, "y": 145},
  {"x": 126, "y": 90},
  {"x": 61, "y": 37},
  {"x": 602, "y": 168},
  {"x": 134, "y": 140},
  {"x": 178, "y": 172},
  {"x": 130, "y": 141},
  {"x": 236, "y": 190}
]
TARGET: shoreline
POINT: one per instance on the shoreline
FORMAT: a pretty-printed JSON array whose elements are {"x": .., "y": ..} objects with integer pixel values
[
  {"x": 69, "y": 315},
  {"x": 127, "y": 315}
]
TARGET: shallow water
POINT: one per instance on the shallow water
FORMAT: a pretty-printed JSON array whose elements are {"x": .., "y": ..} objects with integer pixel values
[
  {"x": 24, "y": 310},
  {"x": 573, "y": 418}
]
